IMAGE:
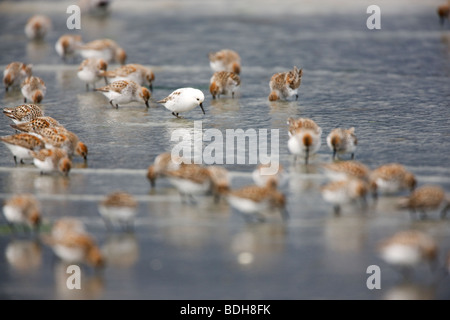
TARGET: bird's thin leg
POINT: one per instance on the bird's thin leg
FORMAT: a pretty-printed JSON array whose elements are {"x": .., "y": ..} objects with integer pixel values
[
  {"x": 108, "y": 224},
  {"x": 423, "y": 215},
  {"x": 444, "y": 211},
  {"x": 337, "y": 210},
  {"x": 413, "y": 214},
  {"x": 192, "y": 199}
]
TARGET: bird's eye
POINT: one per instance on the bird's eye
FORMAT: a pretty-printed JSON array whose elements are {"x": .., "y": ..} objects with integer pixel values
[{"x": 198, "y": 99}]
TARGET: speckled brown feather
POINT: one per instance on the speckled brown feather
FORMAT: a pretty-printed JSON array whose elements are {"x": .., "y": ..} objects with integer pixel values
[
  {"x": 36, "y": 124},
  {"x": 118, "y": 86},
  {"x": 340, "y": 137},
  {"x": 56, "y": 154},
  {"x": 302, "y": 123},
  {"x": 25, "y": 112},
  {"x": 221, "y": 81},
  {"x": 351, "y": 167},
  {"x": 120, "y": 199},
  {"x": 426, "y": 197},
  {"x": 24, "y": 140},
  {"x": 229, "y": 58},
  {"x": 193, "y": 172},
  {"x": 35, "y": 83},
  {"x": 394, "y": 172}
]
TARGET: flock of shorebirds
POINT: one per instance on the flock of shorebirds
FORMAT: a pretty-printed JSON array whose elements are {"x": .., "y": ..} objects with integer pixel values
[{"x": 51, "y": 148}]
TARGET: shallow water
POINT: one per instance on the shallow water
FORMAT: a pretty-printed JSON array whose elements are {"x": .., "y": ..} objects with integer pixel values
[{"x": 392, "y": 85}]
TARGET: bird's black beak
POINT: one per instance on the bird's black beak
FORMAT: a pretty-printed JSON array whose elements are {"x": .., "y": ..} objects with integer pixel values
[
  {"x": 146, "y": 104},
  {"x": 201, "y": 106}
]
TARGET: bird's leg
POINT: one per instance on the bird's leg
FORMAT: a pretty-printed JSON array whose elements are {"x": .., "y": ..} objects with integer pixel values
[
  {"x": 111, "y": 103},
  {"x": 296, "y": 97},
  {"x": 24, "y": 99},
  {"x": 129, "y": 227},
  {"x": 12, "y": 227},
  {"x": 294, "y": 160},
  {"x": 337, "y": 210},
  {"x": 375, "y": 194},
  {"x": 284, "y": 214},
  {"x": 423, "y": 215},
  {"x": 15, "y": 160},
  {"x": 353, "y": 156},
  {"x": 108, "y": 224},
  {"x": 412, "y": 213},
  {"x": 444, "y": 211},
  {"x": 183, "y": 197},
  {"x": 87, "y": 86},
  {"x": 192, "y": 199}
]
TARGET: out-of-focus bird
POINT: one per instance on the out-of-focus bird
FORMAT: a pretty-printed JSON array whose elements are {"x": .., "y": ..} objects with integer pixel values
[
  {"x": 37, "y": 27},
  {"x": 408, "y": 249},
  {"x": 15, "y": 73},
  {"x": 67, "y": 44},
  {"x": 33, "y": 89},
  {"x": 443, "y": 12},
  {"x": 225, "y": 60},
  {"x": 23, "y": 209},
  {"x": 426, "y": 198},
  {"x": 342, "y": 141}
]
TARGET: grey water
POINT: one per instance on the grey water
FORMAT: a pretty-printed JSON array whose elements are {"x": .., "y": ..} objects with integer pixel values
[{"x": 391, "y": 84}]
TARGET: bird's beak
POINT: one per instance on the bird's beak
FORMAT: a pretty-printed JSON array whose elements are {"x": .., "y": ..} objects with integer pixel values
[
  {"x": 201, "y": 106},
  {"x": 146, "y": 103}
]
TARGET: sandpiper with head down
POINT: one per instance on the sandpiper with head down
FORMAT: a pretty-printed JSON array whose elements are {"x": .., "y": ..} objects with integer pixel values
[{"x": 182, "y": 100}]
